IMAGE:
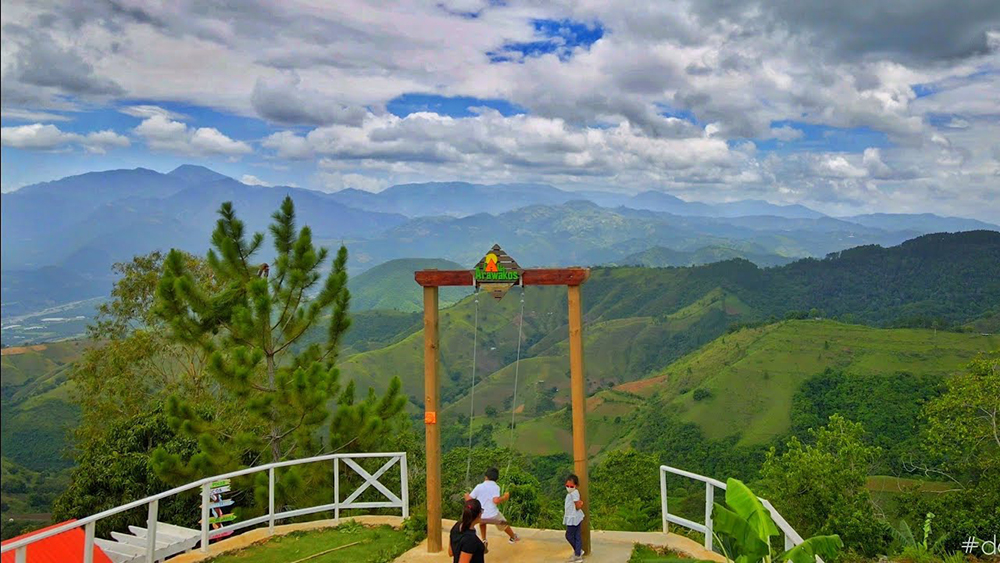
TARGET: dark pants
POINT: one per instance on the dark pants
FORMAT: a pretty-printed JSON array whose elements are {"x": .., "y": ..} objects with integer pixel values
[{"x": 575, "y": 538}]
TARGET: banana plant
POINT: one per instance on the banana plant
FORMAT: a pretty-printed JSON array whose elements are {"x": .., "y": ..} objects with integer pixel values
[{"x": 748, "y": 526}]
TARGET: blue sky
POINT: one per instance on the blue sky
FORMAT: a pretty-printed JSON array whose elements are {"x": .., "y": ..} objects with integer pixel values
[{"x": 709, "y": 102}]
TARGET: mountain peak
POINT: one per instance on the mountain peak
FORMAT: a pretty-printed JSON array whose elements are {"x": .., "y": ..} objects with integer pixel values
[{"x": 195, "y": 173}]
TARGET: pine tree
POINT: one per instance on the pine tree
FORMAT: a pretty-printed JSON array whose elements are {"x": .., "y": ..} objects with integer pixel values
[{"x": 254, "y": 323}]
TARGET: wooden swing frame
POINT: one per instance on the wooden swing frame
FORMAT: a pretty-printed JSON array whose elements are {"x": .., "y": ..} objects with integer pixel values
[{"x": 431, "y": 280}]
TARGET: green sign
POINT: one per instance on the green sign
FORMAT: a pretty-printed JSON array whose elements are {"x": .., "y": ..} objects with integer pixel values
[{"x": 496, "y": 272}]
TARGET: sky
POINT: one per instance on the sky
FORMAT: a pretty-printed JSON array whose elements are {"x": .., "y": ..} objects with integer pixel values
[{"x": 847, "y": 107}]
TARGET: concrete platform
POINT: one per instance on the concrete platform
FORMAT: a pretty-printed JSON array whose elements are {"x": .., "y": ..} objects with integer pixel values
[{"x": 538, "y": 546}]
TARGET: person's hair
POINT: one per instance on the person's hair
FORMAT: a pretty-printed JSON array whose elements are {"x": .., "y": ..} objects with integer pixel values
[
  {"x": 470, "y": 512},
  {"x": 574, "y": 478},
  {"x": 492, "y": 474}
]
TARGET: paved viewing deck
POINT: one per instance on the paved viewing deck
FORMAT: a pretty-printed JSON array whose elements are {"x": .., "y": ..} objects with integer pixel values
[{"x": 536, "y": 546}]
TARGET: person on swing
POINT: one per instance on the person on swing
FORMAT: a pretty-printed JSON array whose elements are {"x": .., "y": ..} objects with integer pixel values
[{"x": 488, "y": 494}]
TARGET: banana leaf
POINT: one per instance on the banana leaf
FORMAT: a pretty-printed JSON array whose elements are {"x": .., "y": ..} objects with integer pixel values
[
  {"x": 743, "y": 502},
  {"x": 806, "y": 552},
  {"x": 743, "y": 534}
]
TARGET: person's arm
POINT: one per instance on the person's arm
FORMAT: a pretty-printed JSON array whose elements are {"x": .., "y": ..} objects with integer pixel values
[
  {"x": 578, "y": 502},
  {"x": 502, "y": 498},
  {"x": 468, "y": 496},
  {"x": 450, "y": 552}
]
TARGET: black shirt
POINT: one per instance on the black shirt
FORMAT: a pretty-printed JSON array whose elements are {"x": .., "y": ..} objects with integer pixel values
[{"x": 468, "y": 542}]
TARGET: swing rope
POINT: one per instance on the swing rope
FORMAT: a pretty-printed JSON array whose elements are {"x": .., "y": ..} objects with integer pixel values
[
  {"x": 517, "y": 368},
  {"x": 472, "y": 394}
]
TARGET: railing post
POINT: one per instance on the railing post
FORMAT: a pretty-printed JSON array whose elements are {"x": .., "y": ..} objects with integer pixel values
[
  {"x": 404, "y": 485},
  {"x": 88, "y": 543},
  {"x": 663, "y": 498},
  {"x": 709, "y": 505},
  {"x": 206, "y": 495},
  {"x": 270, "y": 501},
  {"x": 789, "y": 544},
  {"x": 154, "y": 508},
  {"x": 336, "y": 488},
  {"x": 21, "y": 555}
]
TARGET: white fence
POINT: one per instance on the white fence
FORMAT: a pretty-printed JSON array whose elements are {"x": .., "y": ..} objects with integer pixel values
[
  {"x": 792, "y": 538},
  {"x": 152, "y": 553}
]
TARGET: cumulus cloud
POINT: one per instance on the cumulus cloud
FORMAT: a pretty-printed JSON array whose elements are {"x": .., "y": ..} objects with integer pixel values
[
  {"x": 164, "y": 134},
  {"x": 491, "y": 143},
  {"x": 286, "y": 102},
  {"x": 665, "y": 98},
  {"x": 48, "y": 137},
  {"x": 251, "y": 180},
  {"x": 18, "y": 114},
  {"x": 786, "y": 133},
  {"x": 42, "y": 62},
  {"x": 146, "y": 111}
]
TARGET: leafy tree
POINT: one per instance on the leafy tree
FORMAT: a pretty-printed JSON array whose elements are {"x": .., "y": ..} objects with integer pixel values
[
  {"x": 116, "y": 469},
  {"x": 132, "y": 366},
  {"x": 631, "y": 503},
  {"x": 820, "y": 487},
  {"x": 962, "y": 446},
  {"x": 248, "y": 321}
]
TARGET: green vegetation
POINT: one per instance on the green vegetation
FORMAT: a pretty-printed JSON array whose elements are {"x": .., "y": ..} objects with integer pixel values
[
  {"x": 775, "y": 369},
  {"x": 653, "y": 554},
  {"x": 349, "y": 542},
  {"x": 820, "y": 486},
  {"x": 118, "y": 469},
  {"x": 245, "y": 319},
  {"x": 747, "y": 531},
  {"x": 390, "y": 286}
]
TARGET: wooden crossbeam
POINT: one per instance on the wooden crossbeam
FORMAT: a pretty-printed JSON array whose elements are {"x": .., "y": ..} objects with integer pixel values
[{"x": 537, "y": 276}]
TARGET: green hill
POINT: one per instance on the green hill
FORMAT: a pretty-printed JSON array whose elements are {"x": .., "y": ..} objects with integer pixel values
[
  {"x": 390, "y": 286},
  {"x": 661, "y": 256},
  {"x": 748, "y": 378},
  {"x": 745, "y": 383},
  {"x": 37, "y": 409}
]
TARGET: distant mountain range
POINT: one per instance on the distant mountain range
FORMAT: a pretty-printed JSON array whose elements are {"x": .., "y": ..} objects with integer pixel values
[{"x": 59, "y": 239}]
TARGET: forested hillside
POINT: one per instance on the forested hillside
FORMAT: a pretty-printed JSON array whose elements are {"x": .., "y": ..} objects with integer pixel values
[{"x": 674, "y": 311}]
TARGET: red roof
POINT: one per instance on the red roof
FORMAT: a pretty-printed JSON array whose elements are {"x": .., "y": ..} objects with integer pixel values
[{"x": 66, "y": 547}]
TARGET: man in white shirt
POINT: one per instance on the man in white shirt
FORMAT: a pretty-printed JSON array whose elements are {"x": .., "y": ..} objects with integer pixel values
[{"x": 488, "y": 495}]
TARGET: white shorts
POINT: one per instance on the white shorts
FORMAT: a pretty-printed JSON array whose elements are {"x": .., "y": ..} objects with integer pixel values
[{"x": 499, "y": 521}]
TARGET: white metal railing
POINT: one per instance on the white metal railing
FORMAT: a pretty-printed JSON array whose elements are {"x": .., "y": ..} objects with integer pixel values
[
  {"x": 792, "y": 538},
  {"x": 402, "y": 501}
]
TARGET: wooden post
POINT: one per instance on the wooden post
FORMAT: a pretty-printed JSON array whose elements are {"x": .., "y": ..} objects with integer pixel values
[
  {"x": 578, "y": 393},
  {"x": 432, "y": 430}
]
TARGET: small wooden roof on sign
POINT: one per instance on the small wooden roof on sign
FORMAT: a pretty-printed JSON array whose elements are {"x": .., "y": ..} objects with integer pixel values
[
  {"x": 498, "y": 288},
  {"x": 503, "y": 259}
]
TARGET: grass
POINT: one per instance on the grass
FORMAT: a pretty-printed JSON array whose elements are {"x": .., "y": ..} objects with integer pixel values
[
  {"x": 356, "y": 543},
  {"x": 653, "y": 554},
  {"x": 768, "y": 364}
]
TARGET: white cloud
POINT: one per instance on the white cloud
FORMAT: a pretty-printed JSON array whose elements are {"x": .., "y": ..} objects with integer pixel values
[
  {"x": 17, "y": 114},
  {"x": 595, "y": 114},
  {"x": 146, "y": 111},
  {"x": 838, "y": 167},
  {"x": 164, "y": 134},
  {"x": 251, "y": 180},
  {"x": 786, "y": 133},
  {"x": 49, "y": 137},
  {"x": 872, "y": 161}
]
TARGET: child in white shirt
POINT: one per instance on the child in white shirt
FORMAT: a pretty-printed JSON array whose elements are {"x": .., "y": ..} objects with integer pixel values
[
  {"x": 488, "y": 494},
  {"x": 573, "y": 517}
]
